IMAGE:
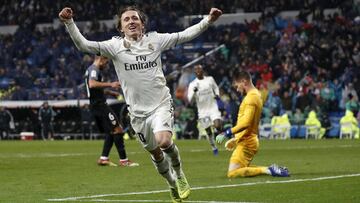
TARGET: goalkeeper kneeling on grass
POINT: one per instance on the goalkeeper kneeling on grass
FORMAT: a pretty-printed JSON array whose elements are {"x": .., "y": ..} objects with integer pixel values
[{"x": 243, "y": 138}]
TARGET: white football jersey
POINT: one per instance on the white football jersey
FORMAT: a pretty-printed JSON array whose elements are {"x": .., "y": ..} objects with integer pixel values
[
  {"x": 205, "y": 96},
  {"x": 138, "y": 63},
  {"x": 139, "y": 69}
]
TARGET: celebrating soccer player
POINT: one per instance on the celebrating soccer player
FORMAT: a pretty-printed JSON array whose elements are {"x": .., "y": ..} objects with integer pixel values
[
  {"x": 137, "y": 61},
  {"x": 243, "y": 138},
  {"x": 205, "y": 90}
]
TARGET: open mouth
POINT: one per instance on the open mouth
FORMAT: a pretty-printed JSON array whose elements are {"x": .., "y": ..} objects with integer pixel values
[{"x": 132, "y": 28}]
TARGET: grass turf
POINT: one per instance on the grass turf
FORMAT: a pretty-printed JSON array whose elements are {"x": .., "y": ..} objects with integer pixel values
[{"x": 36, "y": 171}]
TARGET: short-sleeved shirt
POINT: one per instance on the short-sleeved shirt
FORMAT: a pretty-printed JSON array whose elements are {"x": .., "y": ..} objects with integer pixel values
[{"x": 95, "y": 95}]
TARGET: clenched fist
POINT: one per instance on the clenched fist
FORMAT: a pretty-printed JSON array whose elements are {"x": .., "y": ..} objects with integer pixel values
[
  {"x": 214, "y": 14},
  {"x": 65, "y": 14}
]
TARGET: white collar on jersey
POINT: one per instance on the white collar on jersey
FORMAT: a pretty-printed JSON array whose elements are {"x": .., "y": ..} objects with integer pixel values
[{"x": 128, "y": 42}]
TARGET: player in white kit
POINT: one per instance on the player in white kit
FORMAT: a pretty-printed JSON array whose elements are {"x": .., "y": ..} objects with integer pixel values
[
  {"x": 137, "y": 61},
  {"x": 204, "y": 90}
]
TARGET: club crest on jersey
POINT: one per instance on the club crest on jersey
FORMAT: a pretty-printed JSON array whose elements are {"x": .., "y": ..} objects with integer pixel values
[{"x": 151, "y": 47}]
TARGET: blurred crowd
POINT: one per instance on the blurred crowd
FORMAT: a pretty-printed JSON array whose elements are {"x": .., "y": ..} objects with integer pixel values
[
  {"x": 44, "y": 11},
  {"x": 297, "y": 65}
]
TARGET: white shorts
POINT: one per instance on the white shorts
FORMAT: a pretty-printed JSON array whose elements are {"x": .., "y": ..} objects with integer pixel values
[
  {"x": 208, "y": 120},
  {"x": 162, "y": 119}
]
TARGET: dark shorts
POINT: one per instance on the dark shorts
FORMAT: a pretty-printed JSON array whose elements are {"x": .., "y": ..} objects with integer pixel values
[{"x": 105, "y": 118}]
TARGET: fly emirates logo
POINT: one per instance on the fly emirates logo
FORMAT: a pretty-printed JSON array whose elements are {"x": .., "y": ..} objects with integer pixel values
[{"x": 141, "y": 63}]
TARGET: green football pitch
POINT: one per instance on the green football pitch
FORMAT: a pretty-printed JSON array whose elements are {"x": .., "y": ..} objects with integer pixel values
[{"x": 66, "y": 171}]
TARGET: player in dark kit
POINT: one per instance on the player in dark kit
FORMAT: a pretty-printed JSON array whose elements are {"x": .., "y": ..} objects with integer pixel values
[{"x": 105, "y": 118}]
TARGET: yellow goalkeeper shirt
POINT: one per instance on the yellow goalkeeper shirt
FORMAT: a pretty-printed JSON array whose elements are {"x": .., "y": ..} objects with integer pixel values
[{"x": 248, "y": 119}]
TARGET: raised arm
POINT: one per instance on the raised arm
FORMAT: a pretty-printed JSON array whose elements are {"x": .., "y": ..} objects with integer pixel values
[
  {"x": 84, "y": 45},
  {"x": 170, "y": 40},
  {"x": 195, "y": 30}
]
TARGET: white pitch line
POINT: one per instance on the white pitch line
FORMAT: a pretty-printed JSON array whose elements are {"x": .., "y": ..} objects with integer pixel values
[
  {"x": 312, "y": 147},
  {"x": 151, "y": 200},
  {"x": 278, "y": 182},
  {"x": 210, "y": 187},
  {"x": 43, "y": 155},
  {"x": 51, "y": 155},
  {"x": 121, "y": 200},
  {"x": 285, "y": 148}
]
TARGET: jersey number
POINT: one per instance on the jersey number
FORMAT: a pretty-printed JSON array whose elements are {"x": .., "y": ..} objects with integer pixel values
[
  {"x": 141, "y": 137},
  {"x": 111, "y": 117}
]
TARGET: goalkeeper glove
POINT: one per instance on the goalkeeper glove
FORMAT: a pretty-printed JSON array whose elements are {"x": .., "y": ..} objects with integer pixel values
[{"x": 227, "y": 134}]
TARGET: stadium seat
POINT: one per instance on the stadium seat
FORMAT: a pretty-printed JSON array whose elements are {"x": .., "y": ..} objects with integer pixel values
[
  {"x": 312, "y": 131},
  {"x": 265, "y": 130},
  {"x": 294, "y": 131},
  {"x": 334, "y": 131},
  {"x": 332, "y": 114},
  {"x": 280, "y": 131},
  {"x": 302, "y": 131},
  {"x": 346, "y": 130},
  {"x": 340, "y": 114}
]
